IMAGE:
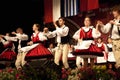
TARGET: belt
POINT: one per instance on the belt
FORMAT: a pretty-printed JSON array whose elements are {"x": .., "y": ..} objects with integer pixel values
[
  {"x": 88, "y": 39},
  {"x": 39, "y": 42}
]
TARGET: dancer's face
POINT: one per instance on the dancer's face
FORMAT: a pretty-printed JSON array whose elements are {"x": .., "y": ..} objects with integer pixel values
[
  {"x": 45, "y": 30},
  {"x": 7, "y": 34},
  {"x": 19, "y": 30},
  {"x": 109, "y": 40},
  {"x": 87, "y": 22},
  {"x": 51, "y": 46},
  {"x": 61, "y": 22},
  {"x": 115, "y": 14},
  {"x": 99, "y": 40},
  {"x": 35, "y": 28}
]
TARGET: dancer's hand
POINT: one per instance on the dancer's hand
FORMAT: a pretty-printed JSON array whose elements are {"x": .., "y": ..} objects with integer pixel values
[
  {"x": 30, "y": 43},
  {"x": 14, "y": 33},
  {"x": 79, "y": 40},
  {"x": 0, "y": 37},
  {"x": 99, "y": 23},
  {"x": 54, "y": 22},
  {"x": 97, "y": 26},
  {"x": 112, "y": 22}
]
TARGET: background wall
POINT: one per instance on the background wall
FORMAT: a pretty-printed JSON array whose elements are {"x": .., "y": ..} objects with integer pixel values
[{"x": 20, "y": 13}]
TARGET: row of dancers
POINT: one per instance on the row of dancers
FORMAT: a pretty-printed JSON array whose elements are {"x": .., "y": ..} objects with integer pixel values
[
  {"x": 17, "y": 46},
  {"x": 105, "y": 47},
  {"x": 85, "y": 48},
  {"x": 36, "y": 47}
]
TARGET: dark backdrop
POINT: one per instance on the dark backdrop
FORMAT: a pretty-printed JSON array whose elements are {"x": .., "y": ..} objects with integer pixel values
[{"x": 20, "y": 13}]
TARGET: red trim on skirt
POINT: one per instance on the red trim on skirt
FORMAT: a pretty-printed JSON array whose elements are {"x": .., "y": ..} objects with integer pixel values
[
  {"x": 38, "y": 52},
  {"x": 8, "y": 55},
  {"x": 92, "y": 50}
]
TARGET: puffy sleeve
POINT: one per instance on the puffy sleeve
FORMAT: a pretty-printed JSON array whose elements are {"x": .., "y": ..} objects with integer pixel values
[
  {"x": 42, "y": 37},
  {"x": 2, "y": 40},
  {"x": 52, "y": 34},
  {"x": 62, "y": 32},
  {"x": 95, "y": 33},
  {"x": 22, "y": 37},
  {"x": 8, "y": 38},
  {"x": 76, "y": 36},
  {"x": 106, "y": 28}
]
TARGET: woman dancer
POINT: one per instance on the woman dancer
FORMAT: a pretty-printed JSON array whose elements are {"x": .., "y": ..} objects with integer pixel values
[
  {"x": 103, "y": 48},
  {"x": 7, "y": 48},
  {"x": 35, "y": 48},
  {"x": 111, "y": 58},
  {"x": 86, "y": 47}
]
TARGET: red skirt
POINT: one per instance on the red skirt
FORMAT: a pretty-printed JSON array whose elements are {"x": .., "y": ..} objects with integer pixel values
[
  {"x": 8, "y": 55},
  {"x": 38, "y": 52},
  {"x": 92, "y": 50},
  {"x": 9, "y": 45}
]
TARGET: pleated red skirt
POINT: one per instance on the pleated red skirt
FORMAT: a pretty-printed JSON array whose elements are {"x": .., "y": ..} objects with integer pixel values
[
  {"x": 8, "y": 55},
  {"x": 38, "y": 52},
  {"x": 92, "y": 50}
]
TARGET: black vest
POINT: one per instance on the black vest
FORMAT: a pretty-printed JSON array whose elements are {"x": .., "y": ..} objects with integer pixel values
[
  {"x": 1, "y": 47},
  {"x": 118, "y": 29},
  {"x": 109, "y": 49},
  {"x": 23, "y": 44},
  {"x": 65, "y": 39},
  {"x": 112, "y": 29}
]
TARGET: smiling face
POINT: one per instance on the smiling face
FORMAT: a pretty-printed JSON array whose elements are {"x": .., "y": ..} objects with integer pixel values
[
  {"x": 87, "y": 21},
  {"x": 99, "y": 40},
  {"x": 109, "y": 40}
]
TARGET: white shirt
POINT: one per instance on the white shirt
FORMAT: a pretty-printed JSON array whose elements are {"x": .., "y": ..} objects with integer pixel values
[
  {"x": 107, "y": 27},
  {"x": 47, "y": 34},
  {"x": 8, "y": 38},
  {"x": 60, "y": 32},
  {"x": 109, "y": 45},
  {"x": 4, "y": 41},
  {"x": 21, "y": 37}
]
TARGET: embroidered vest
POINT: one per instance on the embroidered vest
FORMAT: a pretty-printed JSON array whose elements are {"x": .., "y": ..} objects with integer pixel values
[{"x": 86, "y": 35}]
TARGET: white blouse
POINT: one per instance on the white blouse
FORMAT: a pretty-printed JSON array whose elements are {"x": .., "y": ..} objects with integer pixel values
[
  {"x": 95, "y": 33},
  {"x": 41, "y": 36},
  {"x": 85, "y": 44}
]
